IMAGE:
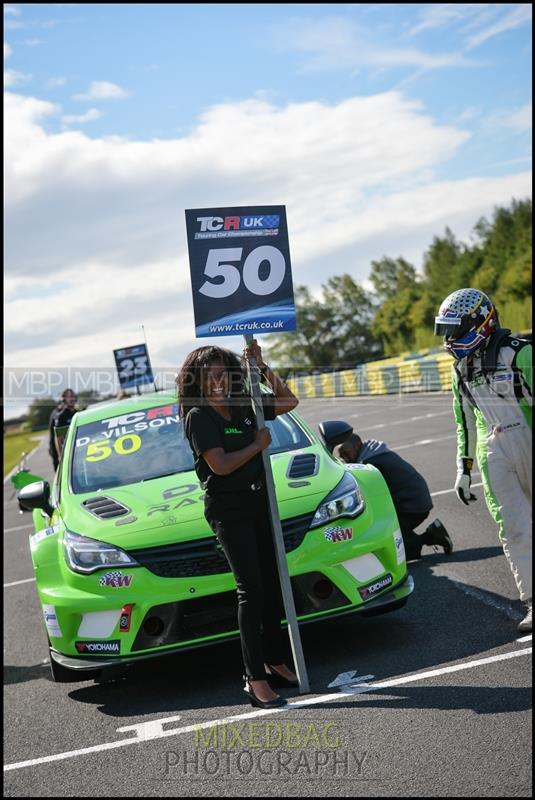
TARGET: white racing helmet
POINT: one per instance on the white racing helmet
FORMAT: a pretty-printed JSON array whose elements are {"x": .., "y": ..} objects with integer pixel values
[{"x": 466, "y": 319}]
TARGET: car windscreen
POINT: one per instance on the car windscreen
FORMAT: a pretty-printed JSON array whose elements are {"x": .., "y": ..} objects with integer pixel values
[{"x": 144, "y": 445}]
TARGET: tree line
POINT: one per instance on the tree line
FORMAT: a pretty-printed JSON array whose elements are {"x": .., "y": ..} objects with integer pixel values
[
  {"x": 39, "y": 412},
  {"x": 348, "y": 325}
]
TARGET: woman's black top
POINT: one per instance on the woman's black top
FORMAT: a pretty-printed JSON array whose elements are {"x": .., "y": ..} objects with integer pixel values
[{"x": 205, "y": 429}]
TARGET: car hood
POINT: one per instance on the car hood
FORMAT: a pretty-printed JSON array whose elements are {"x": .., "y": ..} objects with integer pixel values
[{"x": 171, "y": 509}]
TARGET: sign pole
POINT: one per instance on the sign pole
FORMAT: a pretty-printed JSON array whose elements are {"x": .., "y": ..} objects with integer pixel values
[
  {"x": 286, "y": 587},
  {"x": 147, "y": 346}
]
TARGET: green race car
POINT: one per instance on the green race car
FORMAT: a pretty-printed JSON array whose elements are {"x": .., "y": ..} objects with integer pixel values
[{"x": 127, "y": 567}]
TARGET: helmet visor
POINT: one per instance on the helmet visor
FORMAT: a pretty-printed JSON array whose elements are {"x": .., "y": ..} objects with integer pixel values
[
  {"x": 449, "y": 327},
  {"x": 453, "y": 327}
]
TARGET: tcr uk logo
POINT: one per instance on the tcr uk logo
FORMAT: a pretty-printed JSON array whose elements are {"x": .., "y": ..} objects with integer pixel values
[{"x": 238, "y": 223}]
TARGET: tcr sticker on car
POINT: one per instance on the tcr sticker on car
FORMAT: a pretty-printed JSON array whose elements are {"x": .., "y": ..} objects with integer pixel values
[
  {"x": 51, "y": 621},
  {"x": 40, "y": 535},
  {"x": 400, "y": 547}
]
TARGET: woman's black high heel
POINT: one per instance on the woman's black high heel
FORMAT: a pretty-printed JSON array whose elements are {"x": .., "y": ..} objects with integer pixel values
[
  {"x": 255, "y": 701},
  {"x": 278, "y": 681}
]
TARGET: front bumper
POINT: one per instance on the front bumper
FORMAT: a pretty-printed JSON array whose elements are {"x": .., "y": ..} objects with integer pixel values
[{"x": 394, "y": 598}]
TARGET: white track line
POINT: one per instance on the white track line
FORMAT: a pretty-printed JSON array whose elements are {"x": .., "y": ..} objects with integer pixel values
[
  {"x": 16, "y": 583},
  {"x": 446, "y": 491},
  {"x": 424, "y": 441},
  {"x": 153, "y": 729},
  {"x": 19, "y": 527},
  {"x": 409, "y": 419}
]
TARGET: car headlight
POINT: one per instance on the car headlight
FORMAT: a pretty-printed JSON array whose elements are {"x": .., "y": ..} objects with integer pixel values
[
  {"x": 345, "y": 500},
  {"x": 86, "y": 555}
]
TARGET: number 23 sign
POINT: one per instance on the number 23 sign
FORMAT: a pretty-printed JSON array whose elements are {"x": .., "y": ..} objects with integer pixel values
[
  {"x": 133, "y": 366},
  {"x": 240, "y": 270}
]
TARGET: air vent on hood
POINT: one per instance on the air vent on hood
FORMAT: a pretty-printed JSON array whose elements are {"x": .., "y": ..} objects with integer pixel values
[
  {"x": 303, "y": 465},
  {"x": 105, "y": 507}
]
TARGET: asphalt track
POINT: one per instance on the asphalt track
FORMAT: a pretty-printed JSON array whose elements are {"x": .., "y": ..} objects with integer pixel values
[{"x": 431, "y": 700}]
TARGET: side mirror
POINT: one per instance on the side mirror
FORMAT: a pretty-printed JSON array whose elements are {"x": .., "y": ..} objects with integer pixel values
[
  {"x": 335, "y": 431},
  {"x": 36, "y": 495}
]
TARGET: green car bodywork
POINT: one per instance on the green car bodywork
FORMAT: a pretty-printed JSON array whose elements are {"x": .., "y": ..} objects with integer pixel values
[{"x": 181, "y": 592}]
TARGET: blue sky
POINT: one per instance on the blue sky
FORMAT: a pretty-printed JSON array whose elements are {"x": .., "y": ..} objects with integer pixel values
[{"x": 375, "y": 124}]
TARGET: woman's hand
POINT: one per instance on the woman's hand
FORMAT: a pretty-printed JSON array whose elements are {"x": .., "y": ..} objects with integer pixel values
[
  {"x": 254, "y": 351},
  {"x": 263, "y": 438}
]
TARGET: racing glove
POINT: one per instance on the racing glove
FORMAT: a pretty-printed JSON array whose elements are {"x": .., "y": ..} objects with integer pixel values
[{"x": 464, "y": 479}]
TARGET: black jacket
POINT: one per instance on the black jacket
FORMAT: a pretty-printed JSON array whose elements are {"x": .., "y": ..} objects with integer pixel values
[
  {"x": 60, "y": 417},
  {"x": 408, "y": 488}
]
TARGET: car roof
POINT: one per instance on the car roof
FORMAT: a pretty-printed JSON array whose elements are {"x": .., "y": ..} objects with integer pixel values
[{"x": 116, "y": 408}]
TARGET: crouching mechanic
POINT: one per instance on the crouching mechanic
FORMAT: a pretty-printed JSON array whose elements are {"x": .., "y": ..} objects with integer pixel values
[
  {"x": 409, "y": 491},
  {"x": 492, "y": 400}
]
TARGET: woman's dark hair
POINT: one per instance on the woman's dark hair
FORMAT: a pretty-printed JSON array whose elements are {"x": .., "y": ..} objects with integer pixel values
[{"x": 189, "y": 380}]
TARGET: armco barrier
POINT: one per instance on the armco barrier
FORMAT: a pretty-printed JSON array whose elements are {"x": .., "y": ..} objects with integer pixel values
[{"x": 426, "y": 371}]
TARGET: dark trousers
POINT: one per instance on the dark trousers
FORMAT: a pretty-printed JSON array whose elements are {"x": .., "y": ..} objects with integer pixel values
[
  {"x": 55, "y": 459},
  {"x": 412, "y": 541},
  {"x": 241, "y": 524}
]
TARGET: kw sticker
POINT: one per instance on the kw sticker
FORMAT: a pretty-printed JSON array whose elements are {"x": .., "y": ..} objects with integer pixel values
[
  {"x": 338, "y": 534},
  {"x": 117, "y": 580}
]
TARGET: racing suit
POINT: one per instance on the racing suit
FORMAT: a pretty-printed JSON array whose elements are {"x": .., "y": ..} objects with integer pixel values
[{"x": 492, "y": 404}]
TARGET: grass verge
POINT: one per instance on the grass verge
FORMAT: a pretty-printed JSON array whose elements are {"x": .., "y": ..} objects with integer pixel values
[{"x": 14, "y": 445}]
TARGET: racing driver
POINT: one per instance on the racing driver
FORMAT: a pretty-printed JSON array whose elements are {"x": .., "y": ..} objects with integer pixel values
[{"x": 492, "y": 401}]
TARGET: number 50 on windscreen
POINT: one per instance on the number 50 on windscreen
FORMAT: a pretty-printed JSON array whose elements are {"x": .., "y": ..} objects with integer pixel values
[{"x": 240, "y": 284}]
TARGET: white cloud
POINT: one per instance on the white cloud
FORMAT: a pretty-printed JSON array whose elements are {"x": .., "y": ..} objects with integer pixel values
[
  {"x": 334, "y": 43},
  {"x": 89, "y": 116},
  {"x": 472, "y": 112},
  {"x": 519, "y": 15},
  {"x": 53, "y": 83},
  {"x": 440, "y": 15},
  {"x": 521, "y": 120},
  {"x": 102, "y": 90},
  {"x": 11, "y": 10},
  {"x": 517, "y": 119},
  {"x": 12, "y": 77},
  {"x": 7, "y": 51},
  {"x": 108, "y": 250}
]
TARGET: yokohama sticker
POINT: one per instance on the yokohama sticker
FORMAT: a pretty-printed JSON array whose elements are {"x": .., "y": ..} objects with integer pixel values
[
  {"x": 114, "y": 646},
  {"x": 377, "y": 586}
]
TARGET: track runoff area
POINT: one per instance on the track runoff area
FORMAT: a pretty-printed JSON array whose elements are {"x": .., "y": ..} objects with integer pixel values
[{"x": 431, "y": 700}]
